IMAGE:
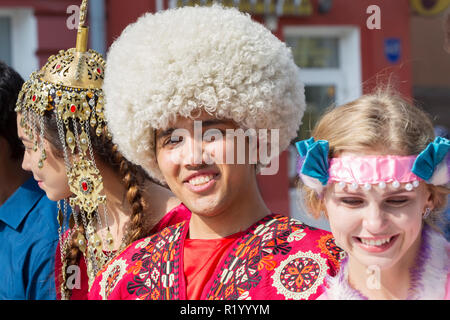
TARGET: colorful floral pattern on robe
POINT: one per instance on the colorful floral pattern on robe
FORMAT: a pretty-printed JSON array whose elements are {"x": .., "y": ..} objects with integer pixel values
[
  {"x": 276, "y": 258},
  {"x": 174, "y": 216}
]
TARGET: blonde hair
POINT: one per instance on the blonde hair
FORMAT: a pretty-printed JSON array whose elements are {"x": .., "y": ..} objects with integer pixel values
[{"x": 381, "y": 122}]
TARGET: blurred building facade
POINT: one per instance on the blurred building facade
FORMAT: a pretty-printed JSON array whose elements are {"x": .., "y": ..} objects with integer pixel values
[{"x": 344, "y": 47}]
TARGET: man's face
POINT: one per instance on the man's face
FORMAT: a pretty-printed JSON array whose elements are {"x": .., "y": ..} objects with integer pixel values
[{"x": 195, "y": 167}]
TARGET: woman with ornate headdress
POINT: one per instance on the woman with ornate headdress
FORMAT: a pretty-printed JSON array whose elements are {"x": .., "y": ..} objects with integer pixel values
[{"x": 71, "y": 155}]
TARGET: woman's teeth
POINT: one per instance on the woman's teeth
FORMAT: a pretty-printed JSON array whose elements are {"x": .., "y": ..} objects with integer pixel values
[
  {"x": 378, "y": 242},
  {"x": 199, "y": 180}
]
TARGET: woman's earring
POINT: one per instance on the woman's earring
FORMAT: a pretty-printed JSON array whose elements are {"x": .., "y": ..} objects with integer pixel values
[{"x": 426, "y": 213}]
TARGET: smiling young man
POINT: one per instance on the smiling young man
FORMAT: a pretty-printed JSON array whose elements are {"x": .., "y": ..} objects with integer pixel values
[{"x": 199, "y": 81}]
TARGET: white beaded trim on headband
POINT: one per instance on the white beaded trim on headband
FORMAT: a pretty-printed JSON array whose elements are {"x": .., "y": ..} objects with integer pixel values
[{"x": 432, "y": 165}]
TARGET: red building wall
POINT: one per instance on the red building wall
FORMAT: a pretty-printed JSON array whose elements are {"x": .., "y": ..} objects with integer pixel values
[
  {"x": 395, "y": 23},
  {"x": 53, "y": 35},
  {"x": 51, "y": 17},
  {"x": 375, "y": 67}
]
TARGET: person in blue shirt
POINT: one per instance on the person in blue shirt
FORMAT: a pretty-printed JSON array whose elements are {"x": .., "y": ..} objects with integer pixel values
[{"x": 28, "y": 224}]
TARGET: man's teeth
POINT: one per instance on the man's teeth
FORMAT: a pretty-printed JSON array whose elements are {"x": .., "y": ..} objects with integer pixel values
[
  {"x": 375, "y": 242},
  {"x": 201, "y": 180}
]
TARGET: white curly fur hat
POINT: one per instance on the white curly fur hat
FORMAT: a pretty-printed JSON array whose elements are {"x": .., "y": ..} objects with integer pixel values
[{"x": 216, "y": 59}]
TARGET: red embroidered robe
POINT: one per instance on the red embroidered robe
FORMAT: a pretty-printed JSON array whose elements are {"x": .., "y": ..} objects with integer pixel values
[
  {"x": 276, "y": 258},
  {"x": 174, "y": 216}
]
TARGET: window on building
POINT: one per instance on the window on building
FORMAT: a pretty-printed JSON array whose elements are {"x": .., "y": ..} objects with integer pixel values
[
  {"x": 329, "y": 58},
  {"x": 314, "y": 52},
  {"x": 18, "y": 39},
  {"x": 5, "y": 40}
]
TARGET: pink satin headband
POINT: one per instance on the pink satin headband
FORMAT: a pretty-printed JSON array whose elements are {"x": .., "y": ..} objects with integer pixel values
[
  {"x": 316, "y": 170},
  {"x": 371, "y": 170}
]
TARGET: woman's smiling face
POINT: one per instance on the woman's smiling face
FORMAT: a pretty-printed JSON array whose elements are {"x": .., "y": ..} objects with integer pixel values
[{"x": 380, "y": 226}]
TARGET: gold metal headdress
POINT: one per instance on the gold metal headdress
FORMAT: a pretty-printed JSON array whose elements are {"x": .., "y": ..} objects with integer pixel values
[{"x": 69, "y": 85}]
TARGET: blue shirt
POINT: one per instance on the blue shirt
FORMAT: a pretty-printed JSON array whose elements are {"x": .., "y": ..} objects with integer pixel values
[{"x": 28, "y": 239}]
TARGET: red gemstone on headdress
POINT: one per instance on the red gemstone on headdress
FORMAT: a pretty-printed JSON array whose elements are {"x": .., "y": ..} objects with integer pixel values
[
  {"x": 73, "y": 108},
  {"x": 99, "y": 71},
  {"x": 58, "y": 66},
  {"x": 84, "y": 185},
  {"x": 34, "y": 98}
]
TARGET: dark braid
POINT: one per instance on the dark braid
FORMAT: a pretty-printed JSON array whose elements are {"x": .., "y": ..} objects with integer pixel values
[
  {"x": 137, "y": 227},
  {"x": 72, "y": 255},
  {"x": 133, "y": 178}
]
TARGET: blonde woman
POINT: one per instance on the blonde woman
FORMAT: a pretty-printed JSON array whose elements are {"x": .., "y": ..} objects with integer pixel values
[{"x": 374, "y": 168}]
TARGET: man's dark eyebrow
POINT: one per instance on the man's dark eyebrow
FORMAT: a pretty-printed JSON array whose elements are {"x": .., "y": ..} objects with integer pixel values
[
  {"x": 205, "y": 123},
  {"x": 164, "y": 133},
  {"x": 208, "y": 123}
]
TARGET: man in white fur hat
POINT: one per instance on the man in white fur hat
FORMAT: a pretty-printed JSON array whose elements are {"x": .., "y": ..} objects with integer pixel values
[{"x": 176, "y": 84}]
